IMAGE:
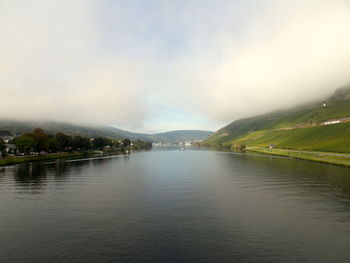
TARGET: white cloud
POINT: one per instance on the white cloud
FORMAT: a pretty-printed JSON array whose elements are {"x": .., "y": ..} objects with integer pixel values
[
  {"x": 301, "y": 52},
  {"x": 52, "y": 66},
  {"x": 103, "y": 62}
]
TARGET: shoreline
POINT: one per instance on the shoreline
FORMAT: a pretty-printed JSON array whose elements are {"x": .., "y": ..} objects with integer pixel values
[
  {"x": 12, "y": 160},
  {"x": 339, "y": 159}
]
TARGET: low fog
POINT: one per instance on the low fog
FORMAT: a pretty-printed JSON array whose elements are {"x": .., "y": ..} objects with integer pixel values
[{"x": 122, "y": 62}]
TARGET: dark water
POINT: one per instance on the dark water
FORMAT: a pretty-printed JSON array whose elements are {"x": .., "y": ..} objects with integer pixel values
[{"x": 175, "y": 206}]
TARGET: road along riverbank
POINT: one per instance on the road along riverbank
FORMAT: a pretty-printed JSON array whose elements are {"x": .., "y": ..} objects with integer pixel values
[{"x": 324, "y": 157}]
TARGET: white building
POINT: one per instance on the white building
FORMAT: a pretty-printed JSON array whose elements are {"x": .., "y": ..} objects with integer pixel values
[{"x": 331, "y": 122}]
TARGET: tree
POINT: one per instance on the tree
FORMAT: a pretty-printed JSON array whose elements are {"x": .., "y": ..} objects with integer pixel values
[
  {"x": 116, "y": 143},
  {"x": 64, "y": 142},
  {"x": 41, "y": 139},
  {"x": 52, "y": 144},
  {"x": 126, "y": 142},
  {"x": 101, "y": 142},
  {"x": 138, "y": 144},
  {"x": 80, "y": 143},
  {"x": 2, "y": 147},
  {"x": 25, "y": 143}
]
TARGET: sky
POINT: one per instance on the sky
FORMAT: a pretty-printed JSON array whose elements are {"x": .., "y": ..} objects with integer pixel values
[{"x": 159, "y": 65}]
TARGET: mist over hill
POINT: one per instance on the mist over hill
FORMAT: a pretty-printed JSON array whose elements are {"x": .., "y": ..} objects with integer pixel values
[
  {"x": 322, "y": 126},
  {"x": 180, "y": 136},
  {"x": 19, "y": 127}
]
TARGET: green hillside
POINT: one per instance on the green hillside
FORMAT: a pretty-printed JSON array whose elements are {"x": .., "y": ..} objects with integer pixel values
[{"x": 298, "y": 128}]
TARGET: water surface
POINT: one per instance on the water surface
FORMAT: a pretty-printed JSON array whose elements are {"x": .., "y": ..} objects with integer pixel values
[{"x": 175, "y": 206}]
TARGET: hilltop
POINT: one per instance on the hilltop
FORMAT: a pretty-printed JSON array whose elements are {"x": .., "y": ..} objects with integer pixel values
[
  {"x": 321, "y": 126},
  {"x": 180, "y": 136},
  {"x": 19, "y": 127}
]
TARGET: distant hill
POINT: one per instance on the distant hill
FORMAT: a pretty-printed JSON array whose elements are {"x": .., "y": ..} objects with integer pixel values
[
  {"x": 180, "y": 136},
  {"x": 302, "y": 127},
  {"x": 19, "y": 127}
]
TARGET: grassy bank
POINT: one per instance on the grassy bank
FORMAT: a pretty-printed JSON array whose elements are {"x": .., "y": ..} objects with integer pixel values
[
  {"x": 329, "y": 138},
  {"x": 324, "y": 157},
  {"x": 23, "y": 159}
]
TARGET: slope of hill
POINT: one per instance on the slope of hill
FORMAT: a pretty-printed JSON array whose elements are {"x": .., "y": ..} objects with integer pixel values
[
  {"x": 299, "y": 128},
  {"x": 19, "y": 127},
  {"x": 180, "y": 136}
]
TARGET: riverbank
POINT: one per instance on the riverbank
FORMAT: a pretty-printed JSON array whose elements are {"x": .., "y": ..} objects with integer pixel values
[
  {"x": 323, "y": 157},
  {"x": 24, "y": 159},
  {"x": 11, "y": 160}
]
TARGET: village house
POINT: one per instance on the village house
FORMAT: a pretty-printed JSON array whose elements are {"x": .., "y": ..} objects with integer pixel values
[
  {"x": 6, "y": 138},
  {"x": 10, "y": 148}
]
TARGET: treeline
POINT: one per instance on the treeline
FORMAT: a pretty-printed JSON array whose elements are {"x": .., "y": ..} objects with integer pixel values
[
  {"x": 39, "y": 141},
  {"x": 2, "y": 146}
]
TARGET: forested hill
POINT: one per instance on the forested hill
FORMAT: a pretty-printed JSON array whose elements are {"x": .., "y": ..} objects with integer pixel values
[
  {"x": 320, "y": 126},
  {"x": 180, "y": 136},
  {"x": 19, "y": 127}
]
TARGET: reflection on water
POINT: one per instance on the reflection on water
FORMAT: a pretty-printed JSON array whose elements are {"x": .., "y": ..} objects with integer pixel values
[
  {"x": 317, "y": 176},
  {"x": 32, "y": 177},
  {"x": 175, "y": 206}
]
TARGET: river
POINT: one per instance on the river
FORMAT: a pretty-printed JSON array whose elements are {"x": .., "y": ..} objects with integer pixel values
[{"x": 175, "y": 206}]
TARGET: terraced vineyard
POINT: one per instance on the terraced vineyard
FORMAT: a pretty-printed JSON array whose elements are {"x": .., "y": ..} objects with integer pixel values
[{"x": 301, "y": 128}]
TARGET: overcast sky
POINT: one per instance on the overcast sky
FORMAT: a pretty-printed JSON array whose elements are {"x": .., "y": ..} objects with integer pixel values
[{"x": 157, "y": 65}]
